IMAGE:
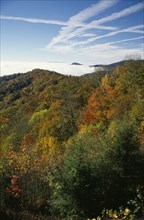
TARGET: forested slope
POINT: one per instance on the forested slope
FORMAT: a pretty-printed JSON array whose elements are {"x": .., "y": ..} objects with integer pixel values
[{"x": 72, "y": 146}]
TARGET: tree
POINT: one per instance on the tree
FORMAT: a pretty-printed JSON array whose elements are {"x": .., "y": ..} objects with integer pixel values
[{"x": 101, "y": 105}]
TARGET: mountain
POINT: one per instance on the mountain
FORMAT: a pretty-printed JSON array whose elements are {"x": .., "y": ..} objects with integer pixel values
[
  {"x": 112, "y": 66},
  {"x": 109, "y": 66},
  {"x": 75, "y": 63},
  {"x": 21, "y": 95},
  {"x": 71, "y": 146}
]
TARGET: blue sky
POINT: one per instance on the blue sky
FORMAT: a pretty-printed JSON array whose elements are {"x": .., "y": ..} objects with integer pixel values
[{"x": 89, "y": 32}]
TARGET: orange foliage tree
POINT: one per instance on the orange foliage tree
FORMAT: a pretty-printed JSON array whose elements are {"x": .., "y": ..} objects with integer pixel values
[{"x": 101, "y": 105}]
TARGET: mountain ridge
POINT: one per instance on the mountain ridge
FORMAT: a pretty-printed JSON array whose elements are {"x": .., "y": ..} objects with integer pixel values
[{"x": 112, "y": 66}]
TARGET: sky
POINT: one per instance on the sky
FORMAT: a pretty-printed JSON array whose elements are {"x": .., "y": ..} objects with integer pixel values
[{"x": 53, "y": 34}]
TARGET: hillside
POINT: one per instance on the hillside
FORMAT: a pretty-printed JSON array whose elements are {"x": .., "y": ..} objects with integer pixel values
[
  {"x": 72, "y": 146},
  {"x": 23, "y": 94}
]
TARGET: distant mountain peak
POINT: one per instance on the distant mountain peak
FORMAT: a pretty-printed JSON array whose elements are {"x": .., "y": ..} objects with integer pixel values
[{"x": 75, "y": 63}]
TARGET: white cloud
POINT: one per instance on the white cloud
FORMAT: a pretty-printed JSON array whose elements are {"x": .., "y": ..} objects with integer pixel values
[
  {"x": 123, "y": 13},
  {"x": 34, "y": 20},
  {"x": 87, "y": 35},
  {"x": 10, "y": 67},
  {"x": 55, "y": 22},
  {"x": 82, "y": 16},
  {"x": 91, "y": 11},
  {"x": 128, "y": 39},
  {"x": 108, "y": 52},
  {"x": 67, "y": 33},
  {"x": 133, "y": 29}
]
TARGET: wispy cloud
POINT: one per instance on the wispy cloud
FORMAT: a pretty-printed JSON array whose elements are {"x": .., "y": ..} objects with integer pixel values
[
  {"x": 87, "y": 35},
  {"x": 108, "y": 52},
  {"x": 133, "y": 29},
  {"x": 91, "y": 11},
  {"x": 76, "y": 26},
  {"x": 55, "y": 22},
  {"x": 125, "y": 12},
  {"x": 125, "y": 40},
  {"x": 67, "y": 33},
  {"x": 35, "y": 20}
]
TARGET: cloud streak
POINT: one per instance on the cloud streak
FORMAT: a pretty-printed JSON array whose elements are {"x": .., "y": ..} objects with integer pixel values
[
  {"x": 123, "y": 13},
  {"x": 91, "y": 11},
  {"x": 67, "y": 33},
  {"x": 125, "y": 40},
  {"x": 133, "y": 29},
  {"x": 54, "y": 22},
  {"x": 35, "y": 20}
]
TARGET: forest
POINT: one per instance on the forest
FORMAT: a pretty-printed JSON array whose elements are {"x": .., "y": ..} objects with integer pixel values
[{"x": 72, "y": 148}]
